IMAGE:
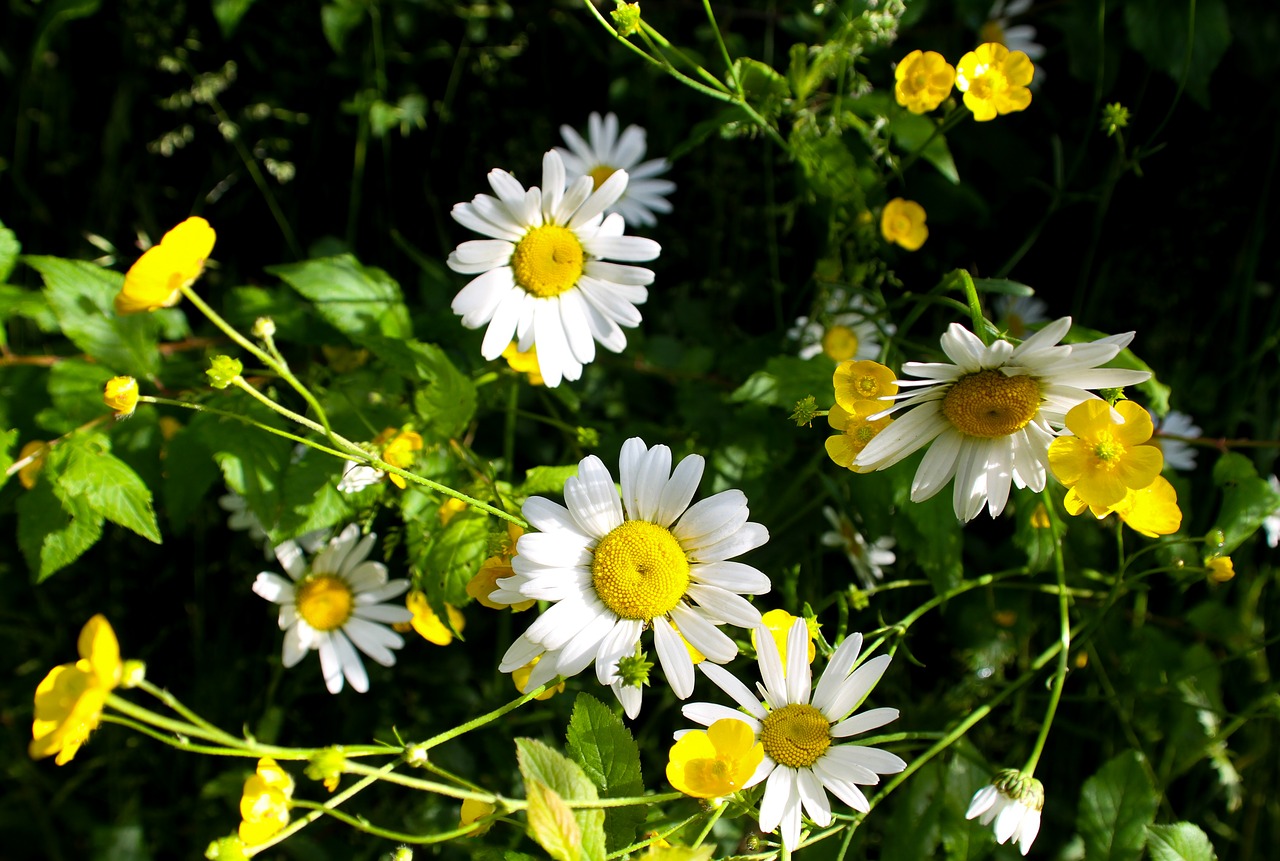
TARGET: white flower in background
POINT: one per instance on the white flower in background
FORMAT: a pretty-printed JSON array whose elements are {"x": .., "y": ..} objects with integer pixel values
[
  {"x": 1014, "y": 802},
  {"x": 1021, "y": 37},
  {"x": 800, "y": 728},
  {"x": 868, "y": 560},
  {"x": 357, "y": 476},
  {"x": 843, "y": 330},
  {"x": 544, "y": 276},
  {"x": 988, "y": 419},
  {"x": 1017, "y": 314},
  {"x": 242, "y": 519},
  {"x": 604, "y": 152},
  {"x": 334, "y": 605},
  {"x": 613, "y": 568},
  {"x": 1271, "y": 523},
  {"x": 1177, "y": 454}
]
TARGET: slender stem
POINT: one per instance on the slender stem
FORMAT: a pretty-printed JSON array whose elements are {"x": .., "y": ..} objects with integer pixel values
[
  {"x": 724, "y": 53},
  {"x": 361, "y": 824},
  {"x": 719, "y": 809},
  {"x": 1064, "y": 641},
  {"x": 477, "y": 722},
  {"x": 655, "y": 838},
  {"x": 203, "y": 408}
]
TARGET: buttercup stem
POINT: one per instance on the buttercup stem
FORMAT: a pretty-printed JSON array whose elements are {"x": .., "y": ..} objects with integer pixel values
[
  {"x": 361, "y": 824},
  {"x": 1064, "y": 642},
  {"x": 202, "y": 408},
  {"x": 724, "y": 52},
  {"x": 477, "y": 722},
  {"x": 718, "y": 810}
]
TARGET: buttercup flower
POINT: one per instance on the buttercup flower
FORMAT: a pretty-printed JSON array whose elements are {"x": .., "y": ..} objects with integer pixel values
[
  {"x": 717, "y": 762},
  {"x": 1178, "y": 454},
  {"x": 70, "y": 698},
  {"x": 867, "y": 559},
  {"x": 614, "y": 567},
  {"x": 157, "y": 278},
  {"x": 473, "y": 810},
  {"x": 1014, "y": 801},
  {"x": 121, "y": 395},
  {"x": 333, "y": 603},
  {"x": 524, "y": 363},
  {"x": 544, "y": 275},
  {"x": 1220, "y": 568},
  {"x": 903, "y": 222},
  {"x": 1150, "y": 511},
  {"x": 429, "y": 625},
  {"x": 604, "y": 153},
  {"x": 800, "y": 732},
  {"x": 842, "y": 330},
  {"x": 923, "y": 80},
  {"x": 1105, "y": 459},
  {"x": 264, "y": 803},
  {"x": 990, "y": 415},
  {"x": 859, "y": 385},
  {"x": 994, "y": 80},
  {"x": 857, "y": 430},
  {"x": 520, "y": 678},
  {"x": 1021, "y": 37},
  {"x": 400, "y": 454},
  {"x": 495, "y": 568},
  {"x": 34, "y": 453}
]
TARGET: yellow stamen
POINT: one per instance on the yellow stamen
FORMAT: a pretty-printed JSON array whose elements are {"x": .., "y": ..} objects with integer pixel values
[
  {"x": 324, "y": 602},
  {"x": 840, "y": 343},
  {"x": 796, "y": 735},
  {"x": 600, "y": 173},
  {"x": 989, "y": 404},
  {"x": 548, "y": 260},
  {"x": 640, "y": 571}
]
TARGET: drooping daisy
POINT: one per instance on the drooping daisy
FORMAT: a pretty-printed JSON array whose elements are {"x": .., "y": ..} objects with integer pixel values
[
  {"x": 334, "y": 605},
  {"x": 1178, "y": 454},
  {"x": 988, "y": 419},
  {"x": 868, "y": 559},
  {"x": 604, "y": 152},
  {"x": 1013, "y": 801},
  {"x": 615, "y": 567},
  {"x": 800, "y": 729},
  {"x": 543, "y": 276}
]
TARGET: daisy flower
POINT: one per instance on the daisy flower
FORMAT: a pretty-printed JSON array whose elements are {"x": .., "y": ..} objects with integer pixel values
[
  {"x": 868, "y": 559},
  {"x": 1177, "y": 454},
  {"x": 615, "y": 567},
  {"x": 988, "y": 418},
  {"x": 800, "y": 728},
  {"x": 1013, "y": 801},
  {"x": 1021, "y": 37},
  {"x": 334, "y": 605},
  {"x": 1017, "y": 314},
  {"x": 604, "y": 152},
  {"x": 543, "y": 275},
  {"x": 844, "y": 331}
]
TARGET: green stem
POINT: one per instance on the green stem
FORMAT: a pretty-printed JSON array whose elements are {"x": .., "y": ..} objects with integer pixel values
[
  {"x": 360, "y": 824},
  {"x": 477, "y": 722},
  {"x": 719, "y": 809},
  {"x": 1064, "y": 641},
  {"x": 203, "y": 408},
  {"x": 724, "y": 53},
  {"x": 981, "y": 327},
  {"x": 656, "y": 838}
]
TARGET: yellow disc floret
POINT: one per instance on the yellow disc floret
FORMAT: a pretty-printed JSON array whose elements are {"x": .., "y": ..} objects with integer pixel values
[
  {"x": 840, "y": 343},
  {"x": 640, "y": 571},
  {"x": 324, "y": 602},
  {"x": 989, "y": 404},
  {"x": 548, "y": 260},
  {"x": 600, "y": 173},
  {"x": 796, "y": 735}
]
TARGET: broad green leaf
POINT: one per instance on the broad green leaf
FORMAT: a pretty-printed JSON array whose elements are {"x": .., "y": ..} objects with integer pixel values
[
  {"x": 552, "y": 824},
  {"x": 451, "y": 559},
  {"x": 25, "y": 304},
  {"x": 1247, "y": 500},
  {"x": 228, "y": 14},
  {"x": 546, "y": 769},
  {"x": 962, "y": 839},
  {"x": 50, "y": 535},
  {"x": 189, "y": 472},
  {"x": 82, "y": 297},
  {"x": 89, "y": 472},
  {"x": 913, "y": 830},
  {"x": 1116, "y": 806},
  {"x": 766, "y": 90},
  {"x": 75, "y": 387},
  {"x": 787, "y": 379},
  {"x": 444, "y": 398},
  {"x": 310, "y": 498},
  {"x": 1180, "y": 841},
  {"x": 1158, "y": 30},
  {"x": 252, "y": 462},
  {"x": 338, "y": 19},
  {"x": 547, "y": 479},
  {"x": 359, "y": 301},
  {"x": 1003, "y": 286},
  {"x": 600, "y": 743},
  {"x": 8, "y": 440},
  {"x": 10, "y": 248}
]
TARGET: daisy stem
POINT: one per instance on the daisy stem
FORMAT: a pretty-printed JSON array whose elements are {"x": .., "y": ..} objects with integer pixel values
[
  {"x": 719, "y": 809},
  {"x": 981, "y": 327},
  {"x": 1064, "y": 641},
  {"x": 202, "y": 408},
  {"x": 653, "y": 37},
  {"x": 649, "y": 841},
  {"x": 477, "y": 722},
  {"x": 724, "y": 53}
]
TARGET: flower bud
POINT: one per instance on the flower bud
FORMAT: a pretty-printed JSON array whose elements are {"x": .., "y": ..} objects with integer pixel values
[{"x": 223, "y": 371}]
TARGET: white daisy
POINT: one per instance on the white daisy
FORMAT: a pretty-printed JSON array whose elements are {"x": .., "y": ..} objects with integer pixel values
[
  {"x": 242, "y": 519},
  {"x": 1014, "y": 801},
  {"x": 357, "y": 476},
  {"x": 1021, "y": 37},
  {"x": 845, "y": 331},
  {"x": 991, "y": 416},
  {"x": 797, "y": 731},
  {"x": 334, "y": 603},
  {"x": 867, "y": 559},
  {"x": 1271, "y": 523},
  {"x": 614, "y": 567},
  {"x": 1177, "y": 454},
  {"x": 543, "y": 276},
  {"x": 604, "y": 152},
  {"x": 1017, "y": 314}
]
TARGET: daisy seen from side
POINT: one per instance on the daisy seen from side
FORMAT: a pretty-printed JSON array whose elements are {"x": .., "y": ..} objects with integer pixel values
[
  {"x": 1178, "y": 453},
  {"x": 801, "y": 729},
  {"x": 604, "y": 152},
  {"x": 989, "y": 415},
  {"x": 615, "y": 567},
  {"x": 334, "y": 605},
  {"x": 545, "y": 275}
]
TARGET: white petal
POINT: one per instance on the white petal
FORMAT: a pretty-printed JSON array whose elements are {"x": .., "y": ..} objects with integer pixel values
[
  {"x": 291, "y": 559},
  {"x": 982, "y": 801},
  {"x": 294, "y": 648},
  {"x": 799, "y": 676},
  {"x": 708, "y": 713},
  {"x": 592, "y": 499},
  {"x": 834, "y": 676},
  {"x": 704, "y": 636},
  {"x": 778, "y": 792},
  {"x": 548, "y": 516},
  {"x": 856, "y": 687},
  {"x": 771, "y": 672},
  {"x": 864, "y": 721},
  {"x": 617, "y": 644},
  {"x": 274, "y": 588},
  {"x": 724, "y": 605},
  {"x": 731, "y": 576},
  {"x": 374, "y": 640},
  {"x": 677, "y": 666},
  {"x": 330, "y": 664},
  {"x": 736, "y": 690},
  {"x": 813, "y": 797}
]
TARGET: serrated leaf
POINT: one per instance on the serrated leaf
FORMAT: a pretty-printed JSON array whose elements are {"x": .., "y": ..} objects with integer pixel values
[
  {"x": 552, "y": 824},
  {"x": 600, "y": 743},
  {"x": 451, "y": 559},
  {"x": 189, "y": 472},
  {"x": 309, "y": 497},
  {"x": 1116, "y": 806},
  {"x": 89, "y": 472},
  {"x": 26, "y": 304},
  {"x": 546, "y": 479},
  {"x": 8, "y": 439},
  {"x": 1247, "y": 500},
  {"x": 252, "y": 462},
  {"x": 337, "y": 20},
  {"x": 357, "y": 300},
  {"x": 541, "y": 765},
  {"x": 82, "y": 297},
  {"x": 787, "y": 379},
  {"x": 52, "y": 534},
  {"x": 1180, "y": 841},
  {"x": 1159, "y": 30},
  {"x": 444, "y": 397},
  {"x": 75, "y": 388}
]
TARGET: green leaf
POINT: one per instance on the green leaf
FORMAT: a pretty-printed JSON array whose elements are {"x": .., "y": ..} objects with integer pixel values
[
  {"x": 546, "y": 479},
  {"x": 27, "y": 304},
  {"x": 1116, "y": 806},
  {"x": 82, "y": 297},
  {"x": 89, "y": 472},
  {"x": 766, "y": 90},
  {"x": 338, "y": 19},
  {"x": 787, "y": 379},
  {"x": 252, "y": 462},
  {"x": 930, "y": 529},
  {"x": 1158, "y": 30},
  {"x": 310, "y": 498},
  {"x": 444, "y": 398},
  {"x": 10, "y": 248},
  {"x": 552, "y": 824},
  {"x": 546, "y": 769},
  {"x": 228, "y": 14},
  {"x": 75, "y": 387},
  {"x": 8, "y": 439},
  {"x": 452, "y": 558},
  {"x": 913, "y": 829},
  {"x": 1247, "y": 500},
  {"x": 1002, "y": 286},
  {"x": 357, "y": 300},
  {"x": 600, "y": 743},
  {"x": 53, "y": 534},
  {"x": 188, "y": 474},
  {"x": 1180, "y": 841}
]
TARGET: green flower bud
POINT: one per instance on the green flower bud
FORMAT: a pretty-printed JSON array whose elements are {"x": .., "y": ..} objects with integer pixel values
[
  {"x": 223, "y": 371},
  {"x": 626, "y": 18}
]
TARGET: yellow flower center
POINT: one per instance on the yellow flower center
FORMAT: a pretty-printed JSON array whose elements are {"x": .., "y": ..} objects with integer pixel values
[
  {"x": 900, "y": 225},
  {"x": 989, "y": 404},
  {"x": 600, "y": 173},
  {"x": 840, "y": 343},
  {"x": 864, "y": 434},
  {"x": 796, "y": 735},
  {"x": 548, "y": 260},
  {"x": 1108, "y": 451},
  {"x": 640, "y": 571},
  {"x": 324, "y": 602}
]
